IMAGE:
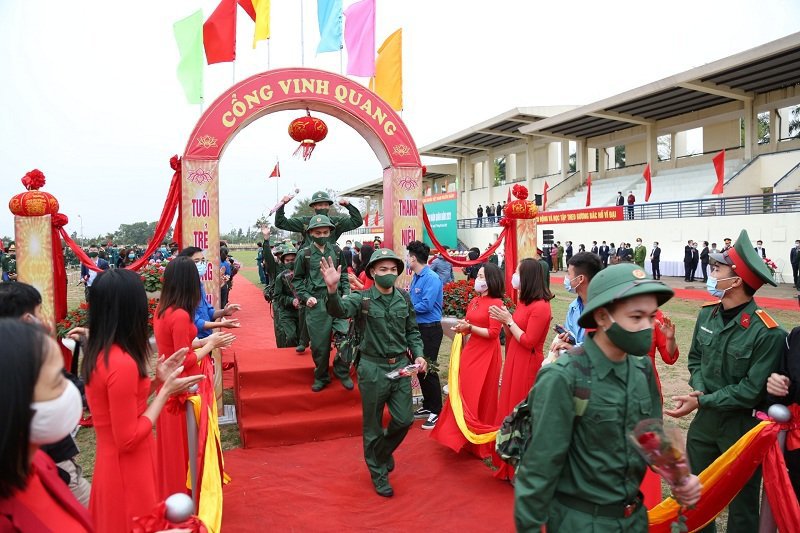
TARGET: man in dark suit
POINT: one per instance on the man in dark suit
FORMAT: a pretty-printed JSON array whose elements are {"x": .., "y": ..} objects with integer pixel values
[
  {"x": 568, "y": 251},
  {"x": 695, "y": 260},
  {"x": 594, "y": 248},
  {"x": 760, "y": 249},
  {"x": 794, "y": 259},
  {"x": 88, "y": 275},
  {"x": 655, "y": 260},
  {"x": 704, "y": 261},
  {"x": 687, "y": 260},
  {"x": 620, "y": 198},
  {"x": 602, "y": 251}
]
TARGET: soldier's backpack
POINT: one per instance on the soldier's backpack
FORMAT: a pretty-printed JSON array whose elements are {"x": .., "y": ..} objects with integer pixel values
[{"x": 514, "y": 434}]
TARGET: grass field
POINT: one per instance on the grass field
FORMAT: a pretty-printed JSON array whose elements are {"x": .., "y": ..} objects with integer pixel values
[{"x": 673, "y": 378}]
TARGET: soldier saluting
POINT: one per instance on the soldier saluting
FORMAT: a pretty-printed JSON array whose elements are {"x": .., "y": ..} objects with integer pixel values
[{"x": 735, "y": 347}]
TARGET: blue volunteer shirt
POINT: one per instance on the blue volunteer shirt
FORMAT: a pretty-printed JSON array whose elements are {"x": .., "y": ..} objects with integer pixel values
[
  {"x": 204, "y": 313},
  {"x": 443, "y": 269},
  {"x": 426, "y": 296},
  {"x": 573, "y": 314}
]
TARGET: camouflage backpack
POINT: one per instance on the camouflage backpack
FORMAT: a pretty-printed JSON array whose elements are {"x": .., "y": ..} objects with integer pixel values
[{"x": 514, "y": 434}]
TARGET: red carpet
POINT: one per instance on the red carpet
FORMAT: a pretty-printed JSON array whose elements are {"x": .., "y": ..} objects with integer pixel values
[
  {"x": 325, "y": 486},
  {"x": 274, "y": 402}
]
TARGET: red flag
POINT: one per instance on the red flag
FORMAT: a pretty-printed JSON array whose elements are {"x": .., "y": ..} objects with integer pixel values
[
  {"x": 366, "y": 218},
  {"x": 376, "y": 222},
  {"x": 544, "y": 196},
  {"x": 247, "y": 5},
  {"x": 719, "y": 167},
  {"x": 589, "y": 190},
  {"x": 276, "y": 172},
  {"x": 647, "y": 180},
  {"x": 219, "y": 33}
]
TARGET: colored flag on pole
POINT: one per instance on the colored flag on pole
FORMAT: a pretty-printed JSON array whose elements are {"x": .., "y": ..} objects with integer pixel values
[
  {"x": 648, "y": 181},
  {"x": 189, "y": 37},
  {"x": 359, "y": 36},
  {"x": 219, "y": 33},
  {"x": 276, "y": 172},
  {"x": 262, "y": 21},
  {"x": 329, "y": 17},
  {"x": 376, "y": 221},
  {"x": 366, "y": 218},
  {"x": 719, "y": 167},
  {"x": 589, "y": 190},
  {"x": 544, "y": 196},
  {"x": 247, "y": 5},
  {"x": 388, "y": 80}
]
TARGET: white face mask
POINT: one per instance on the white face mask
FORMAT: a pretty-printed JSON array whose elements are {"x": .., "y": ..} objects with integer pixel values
[
  {"x": 515, "y": 281},
  {"x": 55, "y": 419},
  {"x": 480, "y": 285}
]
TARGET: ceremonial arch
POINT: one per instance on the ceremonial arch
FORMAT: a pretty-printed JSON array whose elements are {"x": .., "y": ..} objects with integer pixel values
[{"x": 298, "y": 88}]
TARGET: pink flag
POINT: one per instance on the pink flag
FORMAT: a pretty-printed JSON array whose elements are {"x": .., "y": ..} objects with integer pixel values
[
  {"x": 649, "y": 181},
  {"x": 359, "y": 36},
  {"x": 719, "y": 167}
]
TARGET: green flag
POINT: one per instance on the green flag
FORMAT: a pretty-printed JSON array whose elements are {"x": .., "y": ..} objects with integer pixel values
[{"x": 189, "y": 36}]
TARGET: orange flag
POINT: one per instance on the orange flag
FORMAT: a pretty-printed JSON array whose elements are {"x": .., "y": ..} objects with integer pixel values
[
  {"x": 719, "y": 167},
  {"x": 276, "y": 172}
]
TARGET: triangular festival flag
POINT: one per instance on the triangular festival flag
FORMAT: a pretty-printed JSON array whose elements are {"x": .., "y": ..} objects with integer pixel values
[
  {"x": 719, "y": 167},
  {"x": 589, "y": 190},
  {"x": 276, "y": 172},
  {"x": 648, "y": 180},
  {"x": 219, "y": 33}
]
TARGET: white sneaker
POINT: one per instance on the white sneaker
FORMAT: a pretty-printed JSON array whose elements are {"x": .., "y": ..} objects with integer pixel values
[
  {"x": 445, "y": 390},
  {"x": 430, "y": 423}
]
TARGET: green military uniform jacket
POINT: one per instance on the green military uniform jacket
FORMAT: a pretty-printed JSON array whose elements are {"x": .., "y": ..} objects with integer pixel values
[
  {"x": 560, "y": 255},
  {"x": 271, "y": 265},
  {"x": 590, "y": 458},
  {"x": 285, "y": 291},
  {"x": 8, "y": 265},
  {"x": 308, "y": 279},
  {"x": 300, "y": 224},
  {"x": 391, "y": 325},
  {"x": 639, "y": 255},
  {"x": 730, "y": 363}
]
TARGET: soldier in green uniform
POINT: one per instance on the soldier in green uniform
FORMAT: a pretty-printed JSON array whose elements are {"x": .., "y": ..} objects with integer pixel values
[
  {"x": 321, "y": 204},
  {"x": 735, "y": 347},
  {"x": 639, "y": 253},
  {"x": 9, "y": 263},
  {"x": 390, "y": 331},
  {"x": 287, "y": 300},
  {"x": 273, "y": 268},
  {"x": 311, "y": 289},
  {"x": 580, "y": 471},
  {"x": 560, "y": 256}
]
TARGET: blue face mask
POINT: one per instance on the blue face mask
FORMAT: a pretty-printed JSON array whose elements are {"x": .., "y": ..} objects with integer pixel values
[
  {"x": 201, "y": 269},
  {"x": 711, "y": 287},
  {"x": 131, "y": 256},
  {"x": 568, "y": 285}
]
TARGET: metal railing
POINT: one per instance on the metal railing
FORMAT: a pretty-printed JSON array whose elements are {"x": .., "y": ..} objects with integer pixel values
[{"x": 761, "y": 204}]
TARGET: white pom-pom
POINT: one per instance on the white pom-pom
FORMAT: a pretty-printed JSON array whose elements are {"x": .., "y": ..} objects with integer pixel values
[{"x": 179, "y": 507}]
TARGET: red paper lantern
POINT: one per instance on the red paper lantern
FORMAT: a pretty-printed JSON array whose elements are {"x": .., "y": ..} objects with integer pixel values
[
  {"x": 308, "y": 131},
  {"x": 520, "y": 208},
  {"x": 33, "y": 202}
]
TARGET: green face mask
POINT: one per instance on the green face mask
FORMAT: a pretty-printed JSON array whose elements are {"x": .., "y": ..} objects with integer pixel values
[
  {"x": 386, "y": 280},
  {"x": 320, "y": 240},
  {"x": 631, "y": 342},
  {"x": 93, "y": 254},
  {"x": 322, "y": 211}
]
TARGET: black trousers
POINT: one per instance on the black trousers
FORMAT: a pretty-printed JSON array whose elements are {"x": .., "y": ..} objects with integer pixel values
[
  {"x": 796, "y": 274},
  {"x": 656, "y": 269},
  {"x": 704, "y": 268},
  {"x": 687, "y": 269},
  {"x": 429, "y": 383},
  {"x": 692, "y": 270}
]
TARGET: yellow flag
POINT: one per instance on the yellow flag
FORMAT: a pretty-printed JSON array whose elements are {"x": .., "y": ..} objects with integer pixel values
[
  {"x": 262, "y": 20},
  {"x": 388, "y": 80}
]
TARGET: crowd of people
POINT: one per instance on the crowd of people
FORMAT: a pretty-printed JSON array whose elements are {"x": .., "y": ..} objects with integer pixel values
[{"x": 579, "y": 469}]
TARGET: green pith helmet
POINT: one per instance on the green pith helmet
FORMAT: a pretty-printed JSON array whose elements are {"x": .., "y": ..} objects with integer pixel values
[
  {"x": 319, "y": 197},
  {"x": 319, "y": 221},
  {"x": 745, "y": 262},
  {"x": 382, "y": 255},
  {"x": 618, "y": 282},
  {"x": 287, "y": 249}
]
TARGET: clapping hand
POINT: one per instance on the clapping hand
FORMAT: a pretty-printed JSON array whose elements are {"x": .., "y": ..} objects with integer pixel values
[
  {"x": 501, "y": 314},
  {"x": 176, "y": 385},
  {"x": 229, "y": 322},
  {"x": 462, "y": 326},
  {"x": 221, "y": 340},
  {"x": 167, "y": 365},
  {"x": 231, "y": 308}
]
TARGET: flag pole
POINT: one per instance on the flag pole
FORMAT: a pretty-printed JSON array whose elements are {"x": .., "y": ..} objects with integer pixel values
[{"x": 302, "y": 36}]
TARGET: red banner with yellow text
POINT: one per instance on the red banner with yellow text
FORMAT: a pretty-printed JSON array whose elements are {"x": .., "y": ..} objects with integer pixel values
[{"x": 592, "y": 214}]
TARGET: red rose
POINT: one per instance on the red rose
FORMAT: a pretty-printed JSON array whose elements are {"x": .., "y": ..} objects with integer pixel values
[{"x": 650, "y": 441}]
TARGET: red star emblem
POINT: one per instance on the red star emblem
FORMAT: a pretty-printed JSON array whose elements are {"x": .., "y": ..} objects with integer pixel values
[{"x": 745, "y": 320}]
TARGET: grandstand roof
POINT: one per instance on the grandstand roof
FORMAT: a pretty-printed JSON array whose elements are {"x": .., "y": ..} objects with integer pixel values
[
  {"x": 492, "y": 133},
  {"x": 742, "y": 76}
]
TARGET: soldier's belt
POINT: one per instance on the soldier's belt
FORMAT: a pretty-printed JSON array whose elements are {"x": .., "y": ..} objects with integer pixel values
[
  {"x": 388, "y": 359},
  {"x": 614, "y": 510}
]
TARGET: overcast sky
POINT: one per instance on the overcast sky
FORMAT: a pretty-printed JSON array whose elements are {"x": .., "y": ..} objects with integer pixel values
[{"x": 90, "y": 97}]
